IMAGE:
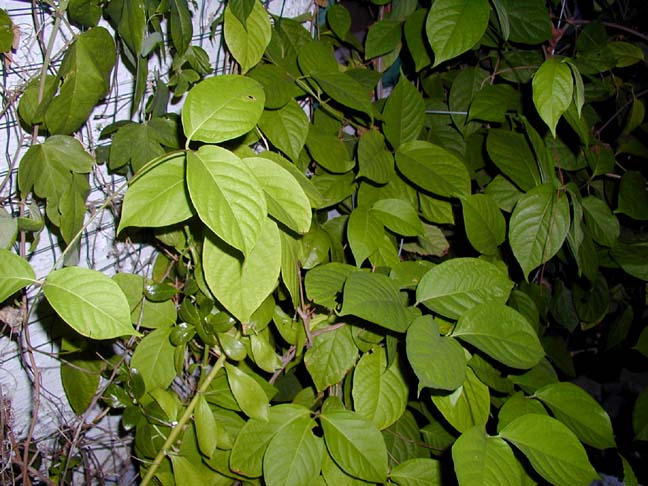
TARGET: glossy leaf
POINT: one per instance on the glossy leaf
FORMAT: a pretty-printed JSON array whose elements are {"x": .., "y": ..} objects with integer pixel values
[
  {"x": 528, "y": 20},
  {"x": 454, "y": 286},
  {"x": 227, "y": 196},
  {"x": 574, "y": 407},
  {"x": 512, "y": 155},
  {"x": 502, "y": 333},
  {"x": 382, "y": 37},
  {"x": 481, "y": 459},
  {"x": 346, "y": 91},
  {"x": 355, "y": 444},
  {"x": 374, "y": 161},
  {"x": 248, "y": 41},
  {"x": 553, "y": 88},
  {"x": 242, "y": 285},
  {"x": 438, "y": 361},
  {"x": 364, "y": 232},
  {"x": 375, "y": 298},
  {"x": 399, "y": 216},
  {"x": 248, "y": 393},
  {"x": 454, "y": 26},
  {"x": 516, "y": 406},
  {"x": 404, "y": 113},
  {"x": 553, "y": 450},
  {"x": 286, "y": 128},
  {"x": 15, "y": 274},
  {"x": 89, "y": 302},
  {"x": 158, "y": 198},
  {"x": 222, "y": 108},
  {"x": 416, "y": 42},
  {"x": 329, "y": 151},
  {"x": 538, "y": 226},
  {"x": 417, "y": 472},
  {"x": 206, "y": 427},
  {"x": 153, "y": 359},
  {"x": 485, "y": 224},
  {"x": 467, "y": 406},
  {"x": 331, "y": 357}
]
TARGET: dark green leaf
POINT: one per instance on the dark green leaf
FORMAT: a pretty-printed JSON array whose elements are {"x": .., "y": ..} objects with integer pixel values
[
  {"x": 511, "y": 154},
  {"x": 485, "y": 224},
  {"x": 529, "y": 20},
  {"x": 633, "y": 196},
  {"x": 404, "y": 113},
  {"x": 346, "y": 91}
]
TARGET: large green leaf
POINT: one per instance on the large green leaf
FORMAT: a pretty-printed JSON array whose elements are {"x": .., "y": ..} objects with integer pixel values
[
  {"x": 553, "y": 88},
  {"x": 399, "y": 216},
  {"x": 222, "y": 108},
  {"x": 181, "y": 26},
  {"x": 456, "y": 285},
  {"x": 484, "y": 460},
  {"x": 419, "y": 471},
  {"x": 253, "y": 439},
  {"x": 242, "y": 284},
  {"x": 633, "y": 196},
  {"x": 493, "y": 101},
  {"x": 404, "y": 113},
  {"x": 484, "y": 222},
  {"x": 529, "y": 20},
  {"x": 433, "y": 168},
  {"x": 247, "y": 42},
  {"x": 294, "y": 455},
  {"x": 375, "y": 298},
  {"x": 227, "y": 196},
  {"x": 153, "y": 359},
  {"x": 80, "y": 379},
  {"x": 553, "y": 450},
  {"x": 574, "y": 407},
  {"x": 329, "y": 151},
  {"x": 346, "y": 90},
  {"x": 515, "y": 406},
  {"x": 512, "y": 155},
  {"x": 467, "y": 406},
  {"x": 364, "y": 232},
  {"x": 454, "y": 26},
  {"x": 502, "y": 333},
  {"x": 538, "y": 226},
  {"x": 356, "y": 445},
  {"x": 384, "y": 36},
  {"x": 90, "y": 302},
  {"x": 15, "y": 274},
  {"x": 324, "y": 282},
  {"x": 86, "y": 78},
  {"x": 286, "y": 128},
  {"x": 464, "y": 87},
  {"x": 379, "y": 391},
  {"x": 206, "y": 427},
  {"x": 285, "y": 198},
  {"x": 415, "y": 40},
  {"x": 47, "y": 167},
  {"x": 248, "y": 393},
  {"x": 438, "y": 361},
  {"x": 159, "y": 197},
  {"x": 602, "y": 224},
  {"x": 375, "y": 162},
  {"x": 331, "y": 356}
]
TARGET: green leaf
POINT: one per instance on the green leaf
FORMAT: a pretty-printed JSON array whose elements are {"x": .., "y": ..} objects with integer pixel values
[
  {"x": 379, "y": 391},
  {"x": 602, "y": 224},
  {"x": 331, "y": 357},
  {"x": 346, "y": 91},
  {"x": 47, "y": 167},
  {"x": 364, "y": 232},
  {"x": 15, "y": 274},
  {"x": 456, "y": 285},
  {"x": 626, "y": 53},
  {"x": 488, "y": 461},
  {"x": 285, "y": 198},
  {"x": 222, "y": 108},
  {"x": 375, "y": 162},
  {"x": 455, "y": 26},
  {"x": 6, "y": 32},
  {"x": 206, "y": 427},
  {"x": 629, "y": 478},
  {"x": 227, "y": 196},
  {"x": 642, "y": 341},
  {"x": 375, "y": 298},
  {"x": 433, "y": 168},
  {"x": 153, "y": 359},
  {"x": 86, "y": 78},
  {"x": 404, "y": 113},
  {"x": 324, "y": 282},
  {"x": 512, "y": 155},
  {"x": 339, "y": 20},
  {"x": 181, "y": 27},
  {"x": 248, "y": 393},
  {"x": 416, "y": 40},
  {"x": 278, "y": 86},
  {"x": 8, "y": 230},
  {"x": 467, "y": 406},
  {"x": 329, "y": 151},
  {"x": 89, "y": 302},
  {"x": 72, "y": 208},
  {"x": 640, "y": 416},
  {"x": 399, "y": 216},
  {"x": 553, "y": 450},
  {"x": 503, "y": 19},
  {"x": 419, "y": 471},
  {"x": 538, "y": 226},
  {"x": 484, "y": 222},
  {"x": 242, "y": 285},
  {"x": 633, "y": 196},
  {"x": 516, "y": 406},
  {"x": 248, "y": 42},
  {"x": 575, "y": 408},
  {"x": 286, "y": 128},
  {"x": 493, "y": 101},
  {"x": 529, "y": 21},
  {"x": 356, "y": 445},
  {"x": 553, "y": 88},
  {"x": 84, "y": 12},
  {"x": 383, "y": 36},
  {"x": 502, "y": 333},
  {"x": 464, "y": 88},
  {"x": 294, "y": 455},
  {"x": 253, "y": 439},
  {"x": 159, "y": 197},
  {"x": 438, "y": 361},
  {"x": 504, "y": 193},
  {"x": 80, "y": 379}
]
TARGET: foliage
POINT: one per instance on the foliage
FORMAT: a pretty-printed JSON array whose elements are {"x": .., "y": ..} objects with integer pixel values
[{"x": 379, "y": 261}]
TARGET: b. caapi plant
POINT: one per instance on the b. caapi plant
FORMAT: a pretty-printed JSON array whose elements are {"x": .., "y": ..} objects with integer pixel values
[{"x": 376, "y": 259}]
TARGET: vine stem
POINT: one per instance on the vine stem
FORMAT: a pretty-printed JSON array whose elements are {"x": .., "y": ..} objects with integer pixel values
[{"x": 186, "y": 416}]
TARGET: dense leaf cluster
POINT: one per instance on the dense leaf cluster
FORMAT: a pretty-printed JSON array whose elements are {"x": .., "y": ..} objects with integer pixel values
[{"x": 378, "y": 258}]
